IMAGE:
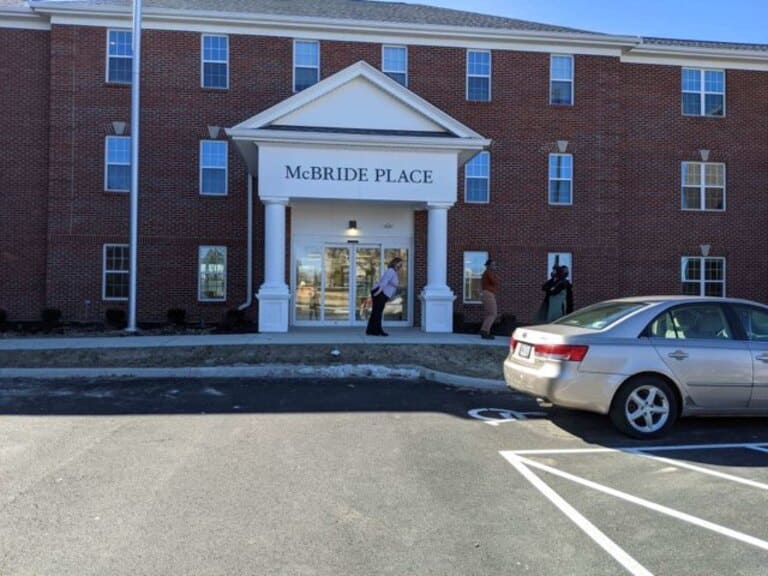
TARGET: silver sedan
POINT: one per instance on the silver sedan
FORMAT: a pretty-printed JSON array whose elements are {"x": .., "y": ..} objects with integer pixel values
[{"x": 646, "y": 361}]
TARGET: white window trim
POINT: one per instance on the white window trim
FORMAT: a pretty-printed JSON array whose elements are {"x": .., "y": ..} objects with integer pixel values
[
  {"x": 489, "y": 76},
  {"x": 202, "y": 166},
  {"x": 383, "y": 69},
  {"x": 106, "y": 65},
  {"x": 703, "y": 92},
  {"x": 549, "y": 180},
  {"x": 307, "y": 41},
  {"x": 571, "y": 79},
  {"x": 487, "y": 178},
  {"x": 703, "y": 187},
  {"x": 464, "y": 278},
  {"x": 203, "y": 61},
  {"x": 702, "y": 281},
  {"x": 200, "y": 252},
  {"x": 104, "y": 272},
  {"x": 107, "y": 164}
]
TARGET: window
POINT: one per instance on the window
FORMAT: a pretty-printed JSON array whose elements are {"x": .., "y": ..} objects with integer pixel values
[
  {"x": 703, "y": 186},
  {"x": 476, "y": 176},
  {"x": 692, "y": 322},
  {"x": 560, "y": 259},
  {"x": 561, "y": 80},
  {"x": 213, "y": 167},
  {"x": 754, "y": 320},
  {"x": 474, "y": 266},
  {"x": 117, "y": 173},
  {"x": 119, "y": 56},
  {"x": 703, "y": 92},
  {"x": 478, "y": 76},
  {"x": 116, "y": 272},
  {"x": 215, "y": 70},
  {"x": 212, "y": 283},
  {"x": 306, "y": 64},
  {"x": 394, "y": 63},
  {"x": 703, "y": 276},
  {"x": 560, "y": 179}
]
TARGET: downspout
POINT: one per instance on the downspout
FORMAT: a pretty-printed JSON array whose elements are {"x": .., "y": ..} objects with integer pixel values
[{"x": 249, "y": 267}]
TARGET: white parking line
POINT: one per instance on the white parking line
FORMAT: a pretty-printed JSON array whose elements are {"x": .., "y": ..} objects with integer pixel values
[
  {"x": 523, "y": 464},
  {"x": 701, "y": 469},
  {"x": 632, "y": 565}
]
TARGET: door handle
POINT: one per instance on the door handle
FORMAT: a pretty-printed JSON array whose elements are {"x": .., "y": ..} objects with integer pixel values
[
  {"x": 679, "y": 355},
  {"x": 762, "y": 357}
]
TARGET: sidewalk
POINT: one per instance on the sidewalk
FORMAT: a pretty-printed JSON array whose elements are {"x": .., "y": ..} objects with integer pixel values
[{"x": 463, "y": 360}]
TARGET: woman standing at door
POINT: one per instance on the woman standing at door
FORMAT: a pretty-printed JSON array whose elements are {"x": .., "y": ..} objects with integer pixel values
[{"x": 383, "y": 291}]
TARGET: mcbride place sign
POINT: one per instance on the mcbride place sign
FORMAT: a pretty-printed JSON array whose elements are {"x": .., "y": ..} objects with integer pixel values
[{"x": 359, "y": 174}]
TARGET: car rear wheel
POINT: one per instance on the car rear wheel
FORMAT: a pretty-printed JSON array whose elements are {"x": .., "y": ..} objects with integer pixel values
[{"x": 644, "y": 407}]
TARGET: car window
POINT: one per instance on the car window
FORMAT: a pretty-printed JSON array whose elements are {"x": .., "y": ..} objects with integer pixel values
[
  {"x": 692, "y": 322},
  {"x": 754, "y": 320},
  {"x": 599, "y": 316}
]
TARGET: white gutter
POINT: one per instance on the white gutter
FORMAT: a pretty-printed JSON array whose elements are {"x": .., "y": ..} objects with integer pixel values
[{"x": 249, "y": 265}]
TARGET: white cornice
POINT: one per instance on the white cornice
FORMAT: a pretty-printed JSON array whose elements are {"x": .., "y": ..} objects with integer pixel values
[
  {"x": 669, "y": 55},
  {"x": 22, "y": 18},
  {"x": 630, "y": 49},
  {"x": 338, "y": 29},
  {"x": 355, "y": 140}
]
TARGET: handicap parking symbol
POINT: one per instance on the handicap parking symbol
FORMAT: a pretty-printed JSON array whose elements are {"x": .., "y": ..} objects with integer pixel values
[{"x": 497, "y": 416}]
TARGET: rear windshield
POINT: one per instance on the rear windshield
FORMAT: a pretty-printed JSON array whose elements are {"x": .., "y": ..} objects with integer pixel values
[{"x": 599, "y": 316}]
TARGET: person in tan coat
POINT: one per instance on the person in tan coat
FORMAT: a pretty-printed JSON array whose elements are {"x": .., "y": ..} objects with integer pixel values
[{"x": 489, "y": 284}]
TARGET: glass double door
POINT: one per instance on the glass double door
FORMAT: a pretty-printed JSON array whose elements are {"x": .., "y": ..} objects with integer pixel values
[{"x": 334, "y": 281}]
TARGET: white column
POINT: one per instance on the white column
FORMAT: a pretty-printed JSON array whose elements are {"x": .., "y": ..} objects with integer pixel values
[
  {"x": 274, "y": 295},
  {"x": 436, "y": 297}
]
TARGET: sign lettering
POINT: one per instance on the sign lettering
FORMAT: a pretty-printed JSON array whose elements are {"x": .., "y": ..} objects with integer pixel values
[{"x": 358, "y": 174}]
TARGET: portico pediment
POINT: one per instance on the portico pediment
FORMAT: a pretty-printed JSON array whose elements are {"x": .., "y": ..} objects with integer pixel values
[{"x": 358, "y": 106}]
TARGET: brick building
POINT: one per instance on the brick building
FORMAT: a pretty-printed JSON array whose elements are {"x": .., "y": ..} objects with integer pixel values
[{"x": 289, "y": 149}]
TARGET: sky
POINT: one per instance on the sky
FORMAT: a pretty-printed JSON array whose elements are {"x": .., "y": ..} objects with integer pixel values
[{"x": 743, "y": 21}]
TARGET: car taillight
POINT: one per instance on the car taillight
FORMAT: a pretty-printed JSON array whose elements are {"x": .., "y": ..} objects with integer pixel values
[
  {"x": 512, "y": 343},
  {"x": 564, "y": 352}
]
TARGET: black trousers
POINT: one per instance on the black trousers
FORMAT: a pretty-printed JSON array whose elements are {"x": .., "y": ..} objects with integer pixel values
[{"x": 377, "y": 310}]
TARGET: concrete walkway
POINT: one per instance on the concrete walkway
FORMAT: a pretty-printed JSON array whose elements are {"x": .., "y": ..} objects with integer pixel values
[{"x": 297, "y": 336}]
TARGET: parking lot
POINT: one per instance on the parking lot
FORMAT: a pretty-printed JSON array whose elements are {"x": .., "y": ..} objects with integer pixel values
[{"x": 365, "y": 476}]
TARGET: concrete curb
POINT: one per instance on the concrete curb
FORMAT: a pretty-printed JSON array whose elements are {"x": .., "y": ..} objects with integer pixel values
[{"x": 260, "y": 371}]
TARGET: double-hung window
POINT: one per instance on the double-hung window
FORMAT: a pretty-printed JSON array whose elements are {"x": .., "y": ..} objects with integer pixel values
[
  {"x": 306, "y": 64},
  {"x": 703, "y": 92},
  {"x": 115, "y": 272},
  {"x": 215, "y": 64},
  {"x": 213, "y": 167},
  {"x": 474, "y": 266},
  {"x": 476, "y": 179},
  {"x": 117, "y": 164},
  {"x": 478, "y": 75},
  {"x": 560, "y": 179},
  {"x": 561, "y": 80},
  {"x": 212, "y": 279},
  {"x": 703, "y": 186},
  {"x": 119, "y": 56},
  {"x": 703, "y": 276},
  {"x": 394, "y": 63}
]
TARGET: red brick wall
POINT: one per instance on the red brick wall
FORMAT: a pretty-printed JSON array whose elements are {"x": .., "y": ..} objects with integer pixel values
[
  {"x": 625, "y": 229},
  {"x": 23, "y": 171}
]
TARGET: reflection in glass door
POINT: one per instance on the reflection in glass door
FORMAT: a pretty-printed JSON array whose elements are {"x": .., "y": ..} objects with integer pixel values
[
  {"x": 335, "y": 299},
  {"x": 367, "y": 273},
  {"x": 333, "y": 284}
]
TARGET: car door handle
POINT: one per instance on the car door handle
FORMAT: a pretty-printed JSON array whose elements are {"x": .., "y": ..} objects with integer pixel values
[
  {"x": 762, "y": 357},
  {"x": 678, "y": 355}
]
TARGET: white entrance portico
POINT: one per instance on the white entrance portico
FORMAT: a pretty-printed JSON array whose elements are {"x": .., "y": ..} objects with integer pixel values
[{"x": 354, "y": 156}]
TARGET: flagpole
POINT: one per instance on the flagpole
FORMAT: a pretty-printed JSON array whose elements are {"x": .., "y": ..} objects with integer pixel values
[{"x": 134, "y": 196}]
